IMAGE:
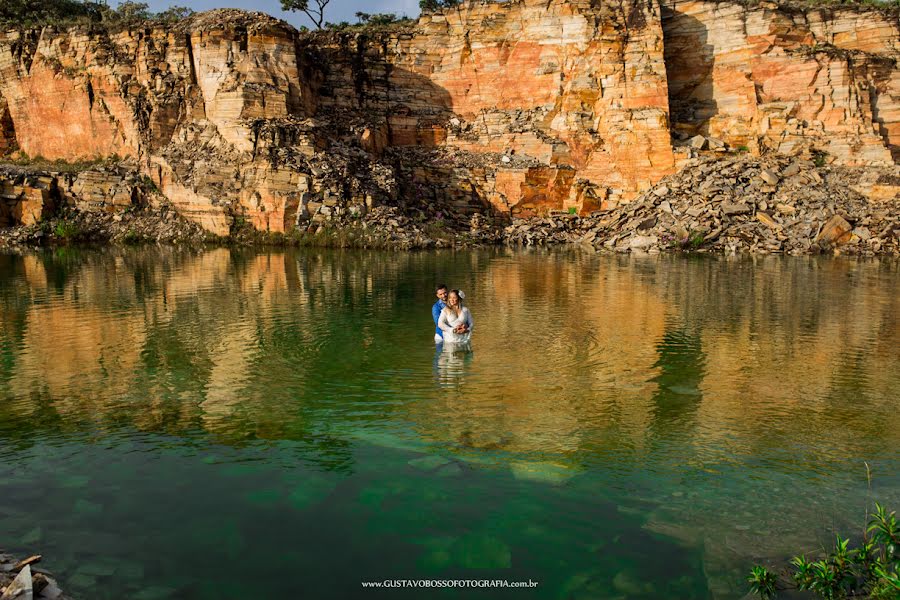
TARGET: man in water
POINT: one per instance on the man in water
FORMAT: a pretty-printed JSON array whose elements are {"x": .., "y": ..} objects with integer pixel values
[{"x": 441, "y": 293}]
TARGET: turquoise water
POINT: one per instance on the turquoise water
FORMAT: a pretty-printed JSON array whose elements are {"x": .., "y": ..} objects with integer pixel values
[{"x": 234, "y": 424}]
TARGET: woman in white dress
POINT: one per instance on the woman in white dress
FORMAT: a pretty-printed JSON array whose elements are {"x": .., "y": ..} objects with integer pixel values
[{"x": 456, "y": 320}]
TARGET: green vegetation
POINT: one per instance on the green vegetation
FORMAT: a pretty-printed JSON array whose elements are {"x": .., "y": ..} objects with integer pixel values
[
  {"x": 316, "y": 12},
  {"x": 149, "y": 185},
  {"x": 695, "y": 240},
  {"x": 872, "y": 570},
  {"x": 368, "y": 22},
  {"x": 67, "y": 230},
  {"x": 762, "y": 582},
  {"x": 28, "y": 13},
  {"x": 685, "y": 241},
  {"x": 39, "y": 13},
  {"x": 132, "y": 238},
  {"x": 436, "y": 5},
  {"x": 21, "y": 159},
  {"x": 380, "y": 19},
  {"x": 819, "y": 158}
]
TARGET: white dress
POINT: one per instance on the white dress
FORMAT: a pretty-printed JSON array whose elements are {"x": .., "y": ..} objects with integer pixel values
[{"x": 448, "y": 321}]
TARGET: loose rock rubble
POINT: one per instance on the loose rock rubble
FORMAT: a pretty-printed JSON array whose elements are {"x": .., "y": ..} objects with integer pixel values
[
  {"x": 740, "y": 203},
  {"x": 719, "y": 203},
  {"x": 147, "y": 225},
  {"x": 24, "y": 580},
  {"x": 385, "y": 227}
]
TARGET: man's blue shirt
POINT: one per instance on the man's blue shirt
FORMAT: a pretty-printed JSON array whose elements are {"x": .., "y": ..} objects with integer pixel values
[{"x": 436, "y": 309}]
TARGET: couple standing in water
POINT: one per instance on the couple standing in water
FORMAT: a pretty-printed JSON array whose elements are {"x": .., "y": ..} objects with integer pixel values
[{"x": 452, "y": 320}]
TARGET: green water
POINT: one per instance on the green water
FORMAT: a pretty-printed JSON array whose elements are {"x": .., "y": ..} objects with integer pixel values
[{"x": 232, "y": 424}]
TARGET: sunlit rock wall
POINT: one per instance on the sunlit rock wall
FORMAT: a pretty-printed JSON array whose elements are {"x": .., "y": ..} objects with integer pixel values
[
  {"x": 570, "y": 84},
  {"x": 824, "y": 79},
  {"x": 238, "y": 117}
]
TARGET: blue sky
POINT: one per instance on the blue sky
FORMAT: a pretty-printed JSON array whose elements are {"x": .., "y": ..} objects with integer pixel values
[{"x": 336, "y": 11}]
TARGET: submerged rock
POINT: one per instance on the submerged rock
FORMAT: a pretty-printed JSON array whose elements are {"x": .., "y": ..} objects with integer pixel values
[
  {"x": 479, "y": 551},
  {"x": 429, "y": 463},
  {"x": 543, "y": 472}
]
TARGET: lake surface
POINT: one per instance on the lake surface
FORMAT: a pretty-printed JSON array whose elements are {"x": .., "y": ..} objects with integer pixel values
[{"x": 240, "y": 424}]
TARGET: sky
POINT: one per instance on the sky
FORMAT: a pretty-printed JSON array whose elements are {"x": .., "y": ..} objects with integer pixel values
[{"x": 336, "y": 11}]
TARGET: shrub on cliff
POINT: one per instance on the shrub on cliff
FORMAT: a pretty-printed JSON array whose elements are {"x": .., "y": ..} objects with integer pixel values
[
  {"x": 132, "y": 13},
  {"x": 30, "y": 13},
  {"x": 437, "y": 5},
  {"x": 38, "y": 13},
  {"x": 379, "y": 19}
]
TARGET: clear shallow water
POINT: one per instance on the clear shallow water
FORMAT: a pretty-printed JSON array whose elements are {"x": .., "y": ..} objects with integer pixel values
[{"x": 230, "y": 424}]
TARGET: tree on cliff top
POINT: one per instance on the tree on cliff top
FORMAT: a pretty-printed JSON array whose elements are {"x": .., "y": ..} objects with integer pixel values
[
  {"x": 31, "y": 13},
  {"x": 316, "y": 14},
  {"x": 37, "y": 13},
  {"x": 436, "y": 5}
]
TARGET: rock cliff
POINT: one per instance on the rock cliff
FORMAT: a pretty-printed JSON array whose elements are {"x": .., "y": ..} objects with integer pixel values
[{"x": 520, "y": 107}]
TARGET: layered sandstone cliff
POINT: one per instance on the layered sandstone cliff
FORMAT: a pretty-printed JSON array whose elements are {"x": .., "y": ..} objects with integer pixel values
[{"x": 520, "y": 107}]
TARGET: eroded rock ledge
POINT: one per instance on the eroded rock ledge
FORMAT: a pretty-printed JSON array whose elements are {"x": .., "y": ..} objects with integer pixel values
[{"x": 235, "y": 121}]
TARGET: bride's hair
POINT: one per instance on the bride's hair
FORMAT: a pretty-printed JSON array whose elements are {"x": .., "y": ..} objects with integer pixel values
[{"x": 459, "y": 295}]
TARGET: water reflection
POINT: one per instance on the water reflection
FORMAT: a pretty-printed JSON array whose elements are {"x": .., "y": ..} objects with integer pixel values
[
  {"x": 667, "y": 385},
  {"x": 676, "y": 402},
  {"x": 450, "y": 363},
  {"x": 618, "y": 350}
]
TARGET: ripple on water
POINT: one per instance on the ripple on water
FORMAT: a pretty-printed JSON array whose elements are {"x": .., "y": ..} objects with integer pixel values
[{"x": 608, "y": 410}]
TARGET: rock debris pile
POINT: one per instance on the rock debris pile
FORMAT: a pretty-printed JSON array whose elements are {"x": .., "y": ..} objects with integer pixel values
[
  {"x": 716, "y": 203},
  {"x": 389, "y": 227},
  {"x": 147, "y": 225},
  {"x": 22, "y": 580},
  {"x": 742, "y": 203}
]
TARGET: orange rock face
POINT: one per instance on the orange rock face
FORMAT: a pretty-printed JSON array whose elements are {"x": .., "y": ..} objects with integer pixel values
[
  {"x": 786, "y": 81},
  {"x": 558, "y": 81},
  {"x": 570, "y": 104}
]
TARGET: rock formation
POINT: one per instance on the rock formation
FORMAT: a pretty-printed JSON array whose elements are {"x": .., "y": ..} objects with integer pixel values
[{"x": 518, "y": 108}]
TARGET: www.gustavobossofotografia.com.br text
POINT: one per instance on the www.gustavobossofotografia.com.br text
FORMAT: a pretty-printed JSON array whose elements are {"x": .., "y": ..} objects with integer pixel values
[{"x": 449, "y": 583}]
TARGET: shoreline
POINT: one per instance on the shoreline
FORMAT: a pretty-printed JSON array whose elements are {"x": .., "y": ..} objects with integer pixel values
[{"x": 731, "y": 204}]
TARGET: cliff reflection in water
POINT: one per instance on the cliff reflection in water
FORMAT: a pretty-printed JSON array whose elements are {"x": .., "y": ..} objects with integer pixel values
[{"x": 574, "y": 356}]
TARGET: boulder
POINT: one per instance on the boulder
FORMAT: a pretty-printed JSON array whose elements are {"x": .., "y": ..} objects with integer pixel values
[
  {"x": 20, "y": 588},
  {"x": 642, "y": 242},
  {"x": 769, "y": 176},
  {"x": 735, "y": 208},
  {"x": 836, "y": 231},
  {"x": 785, "y": 209},
  {"x": 766, "y": 220}
]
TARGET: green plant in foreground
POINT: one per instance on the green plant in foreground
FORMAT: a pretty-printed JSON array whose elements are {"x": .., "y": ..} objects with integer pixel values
[
  {"x": 762, "y": 582},
  {"x": 693, "y": 241},
  {"x": 888, "y": 584},
  {"x": 871, "y": 570},
  {"x": 67, "y": 230},
  {"x": 819, "y": 158},
  {"x": 803, "y": 574},
  {"x": 132, "y": 237},
  {"x": 883, "y": 528}
]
